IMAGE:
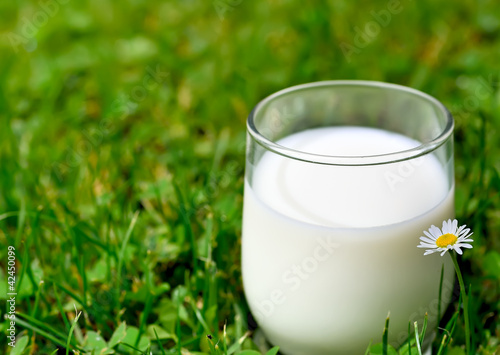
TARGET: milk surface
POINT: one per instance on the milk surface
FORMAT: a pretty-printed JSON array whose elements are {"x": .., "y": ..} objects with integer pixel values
[{"x": 329, "y": 251}]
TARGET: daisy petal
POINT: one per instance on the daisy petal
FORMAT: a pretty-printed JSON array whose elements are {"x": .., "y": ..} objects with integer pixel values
[
  {"x": 428, "y": 240},
  {"x": 435, "y": 231},
  {"x": 467, "y": 236},
  {"x": 446, "y": 226},
  {"x": 466, "y": 240},
  {"x": 429, "y": 235},
  {"x": 464, "y": 232},
  {"x": 427, "y": 246}
]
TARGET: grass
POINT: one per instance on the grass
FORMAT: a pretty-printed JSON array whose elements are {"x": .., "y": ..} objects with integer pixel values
[{"x": 122, "y": 135}]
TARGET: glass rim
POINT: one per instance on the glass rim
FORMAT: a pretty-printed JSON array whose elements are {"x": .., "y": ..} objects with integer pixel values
[{"x": 379, "y": 159}]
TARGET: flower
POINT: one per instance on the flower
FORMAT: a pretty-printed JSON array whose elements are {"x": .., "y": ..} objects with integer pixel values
[{"x": 451, "y": 237}]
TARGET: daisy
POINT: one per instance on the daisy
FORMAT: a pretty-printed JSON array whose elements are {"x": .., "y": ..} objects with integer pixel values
[
  {"x": 447, "y": 238},
  {"x": 442, "y": 240}
]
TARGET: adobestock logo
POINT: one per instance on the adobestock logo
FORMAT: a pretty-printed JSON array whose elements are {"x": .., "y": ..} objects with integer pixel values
[
  {"x": 480, "y": 90},
  {"x": 294, "y": 277},
  {"x": 224, "y": 6},
  {"x": 367, "y": 33},
  {"x": 449, "y": 292},
  {"x": 31, "y": 25},
  {"x": 404, "y": 171}
]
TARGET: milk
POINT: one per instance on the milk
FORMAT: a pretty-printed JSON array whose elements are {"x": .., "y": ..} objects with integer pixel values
[{"x": 329, "y": 251}]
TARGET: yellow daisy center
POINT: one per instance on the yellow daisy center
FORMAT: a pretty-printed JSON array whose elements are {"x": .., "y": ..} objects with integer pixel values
[{"x": 445, "y": 240}]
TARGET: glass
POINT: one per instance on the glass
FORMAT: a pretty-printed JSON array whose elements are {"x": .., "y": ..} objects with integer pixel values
[{"x": 341, "y": 180}]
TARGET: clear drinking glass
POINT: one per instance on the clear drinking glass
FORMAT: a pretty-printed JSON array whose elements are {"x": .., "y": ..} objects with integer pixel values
[{"x": 342, "y": 178}]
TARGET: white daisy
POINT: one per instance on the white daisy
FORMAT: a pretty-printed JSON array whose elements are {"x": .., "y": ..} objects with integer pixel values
[{"x": 450, "y": 238}]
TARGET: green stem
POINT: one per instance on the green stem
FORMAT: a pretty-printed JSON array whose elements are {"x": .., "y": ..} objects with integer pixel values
[{"x": 465, "y": 301}]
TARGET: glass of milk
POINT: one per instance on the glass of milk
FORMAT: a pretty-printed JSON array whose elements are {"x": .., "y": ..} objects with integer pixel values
[{"x": 342, "y": 178}]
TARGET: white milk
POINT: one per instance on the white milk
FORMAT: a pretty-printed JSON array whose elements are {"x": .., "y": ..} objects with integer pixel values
[{"x": 328, "y": 251}]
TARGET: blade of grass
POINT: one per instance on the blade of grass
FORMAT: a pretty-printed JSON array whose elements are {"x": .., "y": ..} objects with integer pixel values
[
  {"x": 440, "y": 298},
  {"x": 125, "y": 242},
  {"x": 465, "y": 301},
  {"x": 83, "y": 275},
  {"x": 133, "y": 347},
  {"x": 210, "y": 281},
  {"x": 187, "y": 226},
  {"x": 67, "y": 324},
  {"x": 71, "y": 294},
  {"x": 28, "y": 213},
  {"x": 408, "y": 341},
  {"x": 9, "y": 214},
  {"x": 35, "y": 235},
  {"x": 213, "y": 350},
  {"x": 236, "y": 346},
  {"x": 159, "y": 342},
  {"x": 238, "y": 321},
  {"x": 472, "y": 333},
  {"x": 367, "y": 352},
  {"x": 79, "y": 232},
  {"x": 40, "y": 325},
  {"x": 43, "y": 333},
  {"x": 78, "y": 314},
  {"x": 21, "y": 220},
  {"x": 193, "y": 340},
  {"x": 200, "y": 317},
  {"x": 121, "y": 255},
  {"x": 224, "y": 343},
  {"x": 385, "y": 335},
  {"x": 443, "y": 344},
  {"x": 417, "y": 341},
  {"x": 238, "y": 329},
  {"x": 450, "y": 326},
  {"x": 149, "y": 299},
  {"x": 37, "y": 299},
  {"x": 77, "y": 242},
  {"x": 100, "y": 316},
  {"x": 158, "y": 195},
  {"x": 273, "y": 351},
  {"x": 27, "y": 266},
  {"x": 424, "y": 328},
  {"x": 23, "y": 268},
  {"x": 452, "y": 323},
  {"x": 178, "y": 332}
]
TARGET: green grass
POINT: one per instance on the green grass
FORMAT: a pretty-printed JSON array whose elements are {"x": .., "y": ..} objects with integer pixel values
[{"x": 123, "y": 194}]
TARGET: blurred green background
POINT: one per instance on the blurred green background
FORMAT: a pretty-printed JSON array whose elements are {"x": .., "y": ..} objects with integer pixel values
[{"x": 122, "y": 141}]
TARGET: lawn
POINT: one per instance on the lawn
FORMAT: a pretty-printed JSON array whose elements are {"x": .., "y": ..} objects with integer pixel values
[{"x": 122, "y": 153}]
